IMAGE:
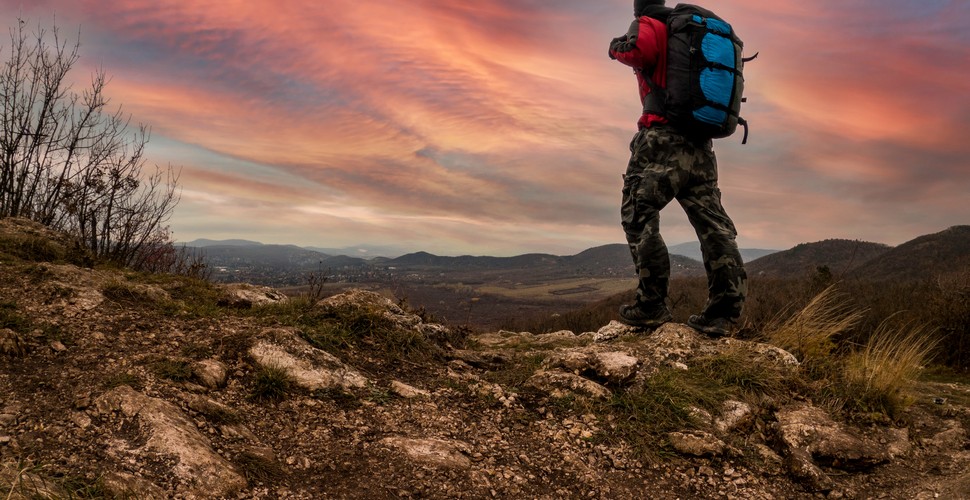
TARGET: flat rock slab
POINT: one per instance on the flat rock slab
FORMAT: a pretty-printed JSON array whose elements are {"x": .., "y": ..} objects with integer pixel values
[
  {"x": 309, "y": 367},
  {"x": 436, "y": 452},
  {"x": 696, "y": 443},
  {"x": 201, "y": 472},
  {"x": 559, "y": 384},
  {"x": 808, "y": 428},
  {"x": 246, "y": 296},
  {"x": 614, "y": 367}
]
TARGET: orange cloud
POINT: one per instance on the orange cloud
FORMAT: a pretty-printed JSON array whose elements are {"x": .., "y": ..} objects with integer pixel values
[{"x": 504, "y": 121}]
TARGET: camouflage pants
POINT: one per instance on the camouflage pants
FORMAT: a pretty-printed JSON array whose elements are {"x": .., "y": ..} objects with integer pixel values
[{"x": 665, "y": 166}]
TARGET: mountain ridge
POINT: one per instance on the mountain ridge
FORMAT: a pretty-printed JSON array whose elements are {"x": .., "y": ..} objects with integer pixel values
[{"x": 926, "y": 255}]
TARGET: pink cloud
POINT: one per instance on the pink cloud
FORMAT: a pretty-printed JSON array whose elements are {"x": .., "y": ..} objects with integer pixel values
[{"x": 510, "y": 116}]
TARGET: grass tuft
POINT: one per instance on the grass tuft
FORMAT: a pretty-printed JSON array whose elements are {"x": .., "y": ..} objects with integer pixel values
[
  {"x": 810, "y": 333},
  {"x": 887, "y": 366},
  {"x": 272, "y": 384},
  {"x": 173, "y": 369},
  {"x": 257, "y": 468}
]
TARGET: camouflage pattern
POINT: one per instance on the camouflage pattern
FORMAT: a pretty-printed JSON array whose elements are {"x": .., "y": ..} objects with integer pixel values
[{"x": 664, "y": 166}]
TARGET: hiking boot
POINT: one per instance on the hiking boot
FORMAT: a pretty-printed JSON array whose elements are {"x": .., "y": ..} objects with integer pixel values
[
  {"x": 644, "y": 317},
  {"x": 712, "y": 327}
]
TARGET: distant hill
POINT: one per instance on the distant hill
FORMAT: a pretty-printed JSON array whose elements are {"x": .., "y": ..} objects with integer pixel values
[
  {"x": 928, "y": 255},
  {"x": 363, "y": 251},
  {"x": 924, "y": 257},
  {"x": 202, "y": 243},
  {"x": 840, "y": 256},
  {"x": 275, "y": 257},
  {"x": 692, "y": 249},
  {"x": 607, "y": 260}
]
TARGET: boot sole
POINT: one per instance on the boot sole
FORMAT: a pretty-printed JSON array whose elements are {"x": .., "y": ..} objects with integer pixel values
[{"x": 653, "y": 324}]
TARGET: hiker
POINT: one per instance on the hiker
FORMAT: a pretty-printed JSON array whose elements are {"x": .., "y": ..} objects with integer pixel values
[{"x": 667, "y": 164}]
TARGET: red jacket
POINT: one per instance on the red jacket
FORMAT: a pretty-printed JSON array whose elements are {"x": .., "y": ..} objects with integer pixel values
[{"x": 649, "y": 52}]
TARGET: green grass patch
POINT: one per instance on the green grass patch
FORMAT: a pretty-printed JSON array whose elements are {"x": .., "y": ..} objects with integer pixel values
[
  {"x": 363, "y": 329},
  {"x": 271, "y": 384},
  {"x": 120, "y": 379},
  {"x": 11, "y": 318},
  {"x": 668, "y": 401},
  {"x": 122, "y": 292},
  {"x": 175, "y": 370},
  {"x": 517, "y": 371},
  {"x": 196, "y": 350},
  {"x": 257, "y": 468},
  {"x": 32, "y": 248}
]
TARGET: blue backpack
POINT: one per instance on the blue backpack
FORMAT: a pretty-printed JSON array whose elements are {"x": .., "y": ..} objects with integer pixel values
[{"x": 704, "y": 76}]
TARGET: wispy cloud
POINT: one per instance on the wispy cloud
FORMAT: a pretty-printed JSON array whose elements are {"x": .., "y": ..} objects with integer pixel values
[{"x": 501, "y": 127}]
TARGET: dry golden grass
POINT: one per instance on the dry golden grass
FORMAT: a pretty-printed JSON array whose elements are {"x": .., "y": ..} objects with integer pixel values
[
  {"x": 889, "y": 364},
  {"x": 809, "y": 333}
]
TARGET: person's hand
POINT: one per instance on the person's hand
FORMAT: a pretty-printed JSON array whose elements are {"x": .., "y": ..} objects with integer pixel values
[{"x": 613, "y": 43}]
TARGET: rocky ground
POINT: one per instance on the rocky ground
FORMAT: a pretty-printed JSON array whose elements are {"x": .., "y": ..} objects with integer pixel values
[{"x": 120, "y": 385}]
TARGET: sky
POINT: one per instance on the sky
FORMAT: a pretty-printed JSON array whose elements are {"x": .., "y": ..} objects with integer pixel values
[{"x": 501, "y": 127}]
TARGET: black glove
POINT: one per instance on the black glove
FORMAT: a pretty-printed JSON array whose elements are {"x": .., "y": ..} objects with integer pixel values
[
  {"x": 613, "y": 43},
  {"x": 626, "y": 42}
]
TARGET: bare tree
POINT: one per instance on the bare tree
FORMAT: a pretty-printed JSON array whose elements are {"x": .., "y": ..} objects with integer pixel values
[{"x": 70, "y": 162}]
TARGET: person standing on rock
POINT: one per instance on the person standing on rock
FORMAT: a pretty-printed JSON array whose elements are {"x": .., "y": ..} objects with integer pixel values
[{"x": 666, "y": 165}]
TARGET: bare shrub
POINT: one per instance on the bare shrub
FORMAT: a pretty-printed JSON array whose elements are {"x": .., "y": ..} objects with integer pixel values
[
  {"x": 315, "y": 287},
  {"x": 951, "y": 308},
  {"x": 69, "y": 161}
]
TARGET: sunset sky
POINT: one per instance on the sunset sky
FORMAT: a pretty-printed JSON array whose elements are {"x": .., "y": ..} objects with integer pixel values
[{"x": 501, "y": 127}]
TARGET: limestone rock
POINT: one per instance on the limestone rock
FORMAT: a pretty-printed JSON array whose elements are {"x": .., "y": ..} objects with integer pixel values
[
  {"x": 212, "y": 373},
  {"x": 406, "y": 391},
  {"x": 201, "y": 472},
  {"x": 246, "y": 296},
  {"x": 122, "y": 485},
  {"x": 954, "y": 436},
  {"x": 559, "y": 384},
  {"x": 614, "y": 367},
  {"x": 516, "y": 340},
  {"x": 613, "y": 330},
  {"x": 434, "y": 452},
  {"x": 769, "y": 460},
  {"x": 673, "y": 342},
  {"x": 12, "y": 344},
  {"x": 764, "y": 352},
  {"x": 800, "y": 465},
  {"x": 388, "y": 309},
  {"x": 696, "y": 443},
  {"x": 734, "y": 414},
  {"x": 309, "y": 367},
  {"x": 808, "y": 428}
]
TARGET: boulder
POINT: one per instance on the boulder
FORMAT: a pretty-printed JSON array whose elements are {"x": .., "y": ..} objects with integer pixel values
[
  {"x": 387, "y": 308},
  {"x": 309, "y": 367},
  {"x": 12, "y": 344},
  {"x": 212, "y": 373},
  {"x": 696, "y": 443},
  {"x": 560, "y": 384},
  {"x": 810, "y": 429},
  {"x": 613, "y": 367},
  {"x": 733, "y": 415},
  {"x": 199, "y": 471},
  {"x": 613, "y": 330},
  {"x": 435, "y": 452},
  {"x": 407, "y": 391},
  {"x": 246, "y": 296}
]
